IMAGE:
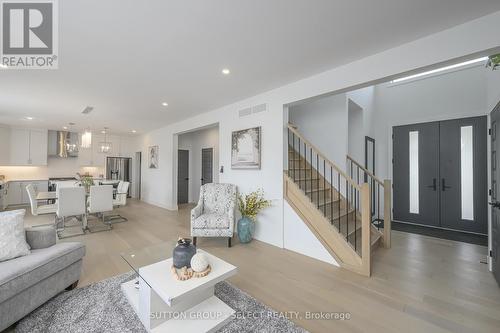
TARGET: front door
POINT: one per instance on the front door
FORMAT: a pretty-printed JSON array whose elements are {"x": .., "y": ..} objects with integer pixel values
[
  {"x": 495, "y": 178},
  {"x": 440, "y": 174},
  {"x": 416, "y": 172},
  {"x": 182, "y": 176},
  {"x": 463, "y": 174},
  {"x": 207, "y": 162}
]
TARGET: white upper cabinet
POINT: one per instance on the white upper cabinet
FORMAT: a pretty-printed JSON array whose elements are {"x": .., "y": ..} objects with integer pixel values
[
  {"x": 19, "y": 146},
  {"x": 4, "y": 145},
  {"x": 28, "y": 146},
  {"x": 38, "y": 147}
]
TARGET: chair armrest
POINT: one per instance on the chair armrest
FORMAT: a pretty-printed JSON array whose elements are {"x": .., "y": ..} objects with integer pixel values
[
  {"x": 41, "y": 237},
  {"x": 196, "y": 212}
]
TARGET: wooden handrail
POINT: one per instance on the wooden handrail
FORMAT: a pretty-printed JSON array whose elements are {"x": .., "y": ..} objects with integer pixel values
[
  {"x": 318, "y": 152},
  {"x": 366, "y": 170}
]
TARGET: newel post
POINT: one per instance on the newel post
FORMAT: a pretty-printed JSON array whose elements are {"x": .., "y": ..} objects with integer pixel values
[{"x": 366, "y": 230}]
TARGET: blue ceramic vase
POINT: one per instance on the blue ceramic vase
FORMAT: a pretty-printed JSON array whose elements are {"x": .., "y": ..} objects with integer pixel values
[
  {"x": 246, "y": 229},
  {"x": 183, "y": 253}
]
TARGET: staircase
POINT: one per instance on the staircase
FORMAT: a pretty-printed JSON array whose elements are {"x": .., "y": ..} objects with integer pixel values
[{"x": 345, "y": 211}]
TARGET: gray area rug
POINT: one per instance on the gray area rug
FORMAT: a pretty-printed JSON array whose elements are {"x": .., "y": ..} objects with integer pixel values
[{"x": 102, "y": 307}]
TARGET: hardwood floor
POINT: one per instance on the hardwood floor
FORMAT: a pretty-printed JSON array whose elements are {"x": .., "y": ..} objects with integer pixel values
[{"x": 421, "y": 284}]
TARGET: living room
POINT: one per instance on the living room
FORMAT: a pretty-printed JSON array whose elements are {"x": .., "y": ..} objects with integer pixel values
[{"x": 101, "y": 230}]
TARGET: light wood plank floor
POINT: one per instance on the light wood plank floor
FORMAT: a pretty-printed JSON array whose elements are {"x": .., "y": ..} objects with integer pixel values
[{"x": 421, "y": 284}]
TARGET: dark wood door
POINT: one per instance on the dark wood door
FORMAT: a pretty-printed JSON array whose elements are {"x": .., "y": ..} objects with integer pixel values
[
  {"x": 182, "y": 176},
  {"x": 207, "y": 168},
  {"x": 495, "y": 204}
]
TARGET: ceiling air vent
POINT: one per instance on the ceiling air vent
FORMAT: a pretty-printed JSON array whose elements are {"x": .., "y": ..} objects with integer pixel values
[{"x": 88, "y": 109}]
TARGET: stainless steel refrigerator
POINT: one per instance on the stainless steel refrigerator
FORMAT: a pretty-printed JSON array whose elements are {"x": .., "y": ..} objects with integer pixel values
[{"x": 119, "y": 168}]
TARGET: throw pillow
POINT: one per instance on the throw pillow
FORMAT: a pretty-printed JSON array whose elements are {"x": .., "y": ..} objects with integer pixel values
[{"x": 12, "y": 237}]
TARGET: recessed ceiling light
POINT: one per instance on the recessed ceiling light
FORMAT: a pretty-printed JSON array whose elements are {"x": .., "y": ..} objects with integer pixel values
[
  {"x": 65, "y": 127},
  {"x": 103, "y": 132},
  {"x": 164, "y": 104},
  {"x": 134, "y": 131},
  {"x": 226, "y": 71},
  {"x": 28, "y": 118},
  {"x": 3, "y": 66}
]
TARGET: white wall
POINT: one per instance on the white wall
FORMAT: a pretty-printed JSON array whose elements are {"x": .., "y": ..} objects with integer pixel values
[
  {"x": 159, "y": 185},
  {"x": 323, "y": 122},
  {"x": 195, "y": 142},
  {"x": 361, "y": 124}
]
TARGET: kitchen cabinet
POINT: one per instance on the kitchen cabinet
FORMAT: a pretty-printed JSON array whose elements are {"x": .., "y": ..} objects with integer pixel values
[
  {"x": 28, "y": 146},
  {"x": 4, "y": 145},
  {"x": 17, "y": 194}
]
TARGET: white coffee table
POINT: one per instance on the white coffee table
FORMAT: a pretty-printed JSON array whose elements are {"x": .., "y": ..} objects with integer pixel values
[{"x": 165, "y": 304}]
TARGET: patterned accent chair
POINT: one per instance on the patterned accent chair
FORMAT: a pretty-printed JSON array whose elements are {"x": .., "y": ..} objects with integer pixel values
[{"x": 214, "y": 214}]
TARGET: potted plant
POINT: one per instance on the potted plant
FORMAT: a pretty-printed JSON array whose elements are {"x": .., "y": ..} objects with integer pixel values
[
  {"x": 250, "y": 205},
  {"x": 494, "y": 61},
  {"x": 87, "y": 181}
]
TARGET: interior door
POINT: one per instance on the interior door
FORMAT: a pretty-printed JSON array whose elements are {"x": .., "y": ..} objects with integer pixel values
[
  {"x": 495, "y": 205},
  {"x": 207, "y": 165},
  {"x": 415, "y": 172},
  {"x": 182, "y": 176},
  {"x": 463, "y": 174}
]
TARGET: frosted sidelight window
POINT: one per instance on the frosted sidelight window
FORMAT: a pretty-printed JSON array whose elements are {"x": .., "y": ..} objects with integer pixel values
[
  {"x": 413, "y": 176},
  {"x": 466, "y": 173}
]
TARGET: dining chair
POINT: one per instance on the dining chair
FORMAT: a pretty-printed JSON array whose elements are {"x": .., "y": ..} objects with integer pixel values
[
  {"x": 35, "y": 208},
  {"x": 119, "y": 200},
  {"x": 70, "y": 203},
  {"x": 100, "y": 202}
]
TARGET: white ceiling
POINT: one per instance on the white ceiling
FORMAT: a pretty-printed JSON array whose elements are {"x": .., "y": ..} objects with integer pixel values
[{"x": 125, "y": 57}]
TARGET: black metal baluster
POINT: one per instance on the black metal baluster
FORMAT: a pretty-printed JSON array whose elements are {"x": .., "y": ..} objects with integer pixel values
[
  {"x": 311, "y": 178},
  {"x": 305, "y": 168},
  {"x": 317, "y": 179},
  {"x": 347, "y": 210},
  {"x": 300, "y": 171},
  {"x": 331, "y": 194},
  {"x": 293, "y": 149},
  {"x": 324, "y": 187},
  {"x": 378, "y": 206},
  {"x": 289, "y": 159},
  {"x": 338, "y": 194},
  {"x": 355, "y": 219}
]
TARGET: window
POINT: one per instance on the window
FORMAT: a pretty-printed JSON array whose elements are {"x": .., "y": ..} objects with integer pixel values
[
  {"x": 413, "y": 176},
  {"x": 467, "y": 172}
]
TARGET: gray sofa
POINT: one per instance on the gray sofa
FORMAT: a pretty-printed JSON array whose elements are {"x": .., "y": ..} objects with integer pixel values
[{"x": 28, "y": 282}]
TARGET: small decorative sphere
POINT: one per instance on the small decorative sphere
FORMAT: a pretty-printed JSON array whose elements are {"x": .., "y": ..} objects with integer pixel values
[{"x": 199, "y": 262}]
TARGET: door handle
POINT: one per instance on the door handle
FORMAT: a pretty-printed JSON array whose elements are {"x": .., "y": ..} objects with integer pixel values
[
  {"x": 495, "y": 204},
  {"x": 434, "y": 184},
  {"x": 186, "y": 178},
  {"x": 444, "y": 187}
]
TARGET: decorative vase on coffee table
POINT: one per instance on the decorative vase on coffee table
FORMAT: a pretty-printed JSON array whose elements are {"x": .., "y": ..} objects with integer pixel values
[
  {"x": 246, "y": 229},
  {"x": 183, "y": 253}
]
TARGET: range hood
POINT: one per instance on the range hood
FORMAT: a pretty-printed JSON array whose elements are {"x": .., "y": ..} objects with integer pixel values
[{"x": 63, "y": 144}]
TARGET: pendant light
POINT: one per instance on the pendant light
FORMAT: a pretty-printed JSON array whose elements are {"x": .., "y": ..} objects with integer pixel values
[
  {"x": 105, "y": 147},
  {"x": 86, "y": 139}
]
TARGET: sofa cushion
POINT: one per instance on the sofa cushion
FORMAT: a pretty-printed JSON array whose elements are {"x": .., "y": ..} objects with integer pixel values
[
  {"x": 12, "y": 237},
  {"x": 20, "y": 273},
  {"x": 211, "y": 221}
]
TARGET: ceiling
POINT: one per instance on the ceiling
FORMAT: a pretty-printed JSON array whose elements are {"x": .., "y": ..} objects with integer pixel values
[{"x": 126, "y": 57}]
